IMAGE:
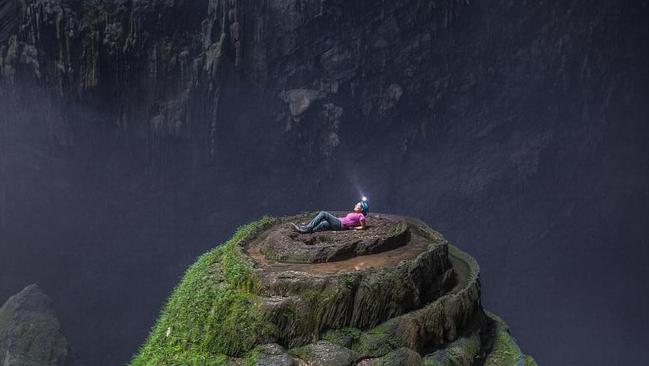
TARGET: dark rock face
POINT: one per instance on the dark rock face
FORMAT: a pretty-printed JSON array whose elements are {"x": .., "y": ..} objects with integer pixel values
[
  {"x": 8, "y": 19},
  {"x": 30, "y": 331},
  {"x": 169, "y": 109}
]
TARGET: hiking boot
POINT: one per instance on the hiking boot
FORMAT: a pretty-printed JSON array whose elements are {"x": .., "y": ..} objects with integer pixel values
[
  {"x": 300, "y": 228},
  {"x": 304, "y": 228}
]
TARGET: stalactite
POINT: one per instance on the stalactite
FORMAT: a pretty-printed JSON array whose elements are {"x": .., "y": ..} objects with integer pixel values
[
  {"x": 3, "y": 169},
  {"x": 235, "y": 33},
  {"x": 153, "y": 62},
  {"x": 90, "y": 60},
  {"x": 214, "y": 119},
  {"x": 9, "y": 60},
  {"x": 117, "y": 38},
  {"x": 213, "y": 57}
]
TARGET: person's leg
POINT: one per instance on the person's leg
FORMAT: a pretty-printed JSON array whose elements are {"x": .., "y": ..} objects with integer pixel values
[
  {"x": 339, "y": 224},
  {"x": 325, "y": 221},
  {"x": 316, "y": 220},
  {"x": 322, "y": 226},
  {"x": 334, "y": 222}
]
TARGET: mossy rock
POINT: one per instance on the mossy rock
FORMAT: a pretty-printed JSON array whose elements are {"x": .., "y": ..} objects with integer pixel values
[
  {"x": 235, "y": 306},
  {"x": 505, "y": 351},
  {"x": 30, "y": 331},
  {"x": 439, "y": 322},
  {"x": 400, "y": 357},
  {"x": 325, "y": 353},
  {"x": 462, "y": 352},
  {"x": 305, "y": 299},
  {"x": 271, "y": 354},
  {"x": 214, "y": 314}
]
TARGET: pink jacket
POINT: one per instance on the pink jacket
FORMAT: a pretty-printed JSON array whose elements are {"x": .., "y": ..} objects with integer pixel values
[{"x": 352, "y": 219}]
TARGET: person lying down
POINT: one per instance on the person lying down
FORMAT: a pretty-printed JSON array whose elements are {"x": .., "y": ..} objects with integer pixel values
[{"x": 326, "y": 221}]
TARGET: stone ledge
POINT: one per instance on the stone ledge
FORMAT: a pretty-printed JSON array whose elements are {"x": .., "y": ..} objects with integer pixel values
[{"x": 284, "y": 244}]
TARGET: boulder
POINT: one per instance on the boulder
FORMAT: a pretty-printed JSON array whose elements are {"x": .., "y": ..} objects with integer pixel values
[{"x": 30, "y": 331}]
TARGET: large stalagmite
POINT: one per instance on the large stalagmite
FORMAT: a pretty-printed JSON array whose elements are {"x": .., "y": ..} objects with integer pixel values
[{"x": 396, "y": 293}]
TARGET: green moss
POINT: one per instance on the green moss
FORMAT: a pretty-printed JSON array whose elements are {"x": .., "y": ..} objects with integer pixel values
[
  {"x": 462, "y": 351},
  {"x": 352, "y": 332},
  {"x": 287, "y": 314},
  {"x": 214, "y": 312},
  {"x": 251, "y": 357},
  {"x": 505, "y": 351},
  {"x": 399, "y": 228},
  {"x": 300, "y": 352},
  {"x": 322, "y": 301},
  {"x": 319, "y": 303},
  {"x": 349, "y": 280},
  {"x": 311, "y": 296},
  {"x": 345, "y": 336},
  {"x": 529, "y": 361},
  {"x": 378, "y": 341}
]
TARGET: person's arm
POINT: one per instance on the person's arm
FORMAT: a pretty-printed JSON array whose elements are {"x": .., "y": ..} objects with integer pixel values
[{"x": 362, "y": 227}]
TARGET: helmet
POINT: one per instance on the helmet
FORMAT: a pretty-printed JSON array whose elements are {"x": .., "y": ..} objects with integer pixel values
[{"x": 364, "y": 207}]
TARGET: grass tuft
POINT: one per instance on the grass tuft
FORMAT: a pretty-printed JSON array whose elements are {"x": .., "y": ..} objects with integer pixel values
[{"x": 213, "y": 314}]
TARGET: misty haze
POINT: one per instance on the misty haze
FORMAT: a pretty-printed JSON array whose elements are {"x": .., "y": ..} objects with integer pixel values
[{"x": 137, "y": 135}]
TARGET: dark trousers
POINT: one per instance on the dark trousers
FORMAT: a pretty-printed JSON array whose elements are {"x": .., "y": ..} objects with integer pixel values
[{"x": 324, "y": 221}]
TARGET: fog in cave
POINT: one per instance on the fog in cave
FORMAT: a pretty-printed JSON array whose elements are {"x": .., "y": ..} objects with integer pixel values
[{"x": 136, "y": 135}]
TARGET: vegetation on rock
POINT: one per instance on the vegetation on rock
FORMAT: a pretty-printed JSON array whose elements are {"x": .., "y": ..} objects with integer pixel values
[
  {"x": 236, "y": 307},
  {"x": 214, "y": 313}
]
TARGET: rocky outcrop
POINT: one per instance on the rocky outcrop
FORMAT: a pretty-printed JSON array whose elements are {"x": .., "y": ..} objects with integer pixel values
[
  {"x": 30, "y": 332},
  {"x": 415, "y": 303},
  {"x": 286, "y": 245}
]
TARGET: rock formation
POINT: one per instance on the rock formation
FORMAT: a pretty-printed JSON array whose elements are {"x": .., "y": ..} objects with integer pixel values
[
  {"x": 396, "y": 293},
  {"x": 30, "y": 332}
]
